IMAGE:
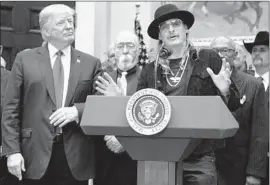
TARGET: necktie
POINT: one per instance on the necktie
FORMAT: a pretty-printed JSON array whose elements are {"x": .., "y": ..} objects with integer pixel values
[
  {"x": 123, "y": 81},
  {"x": 260, "y": 78},
  {"x": 58, "y": 77}
]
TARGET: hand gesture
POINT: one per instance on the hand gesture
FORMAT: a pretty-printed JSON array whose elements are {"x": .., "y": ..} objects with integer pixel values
[
  {"x": 222, "y": 79},
  {"x": 113, "y": 144},
  {"x": 108, "y": 87},
  {"x": 250, "y": 180},
  {"x": 15, "y": 164},
  {"x": 63, "y": 116}
]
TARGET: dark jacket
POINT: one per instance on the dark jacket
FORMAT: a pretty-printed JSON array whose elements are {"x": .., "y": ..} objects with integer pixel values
[
  {"x": 258, "y": 161},
  {"x": 232, "y": 160},
  {"x": 4, "y": 79},
  {"x": 31, "y": 100},
  {"x": 199, "y": 82}
]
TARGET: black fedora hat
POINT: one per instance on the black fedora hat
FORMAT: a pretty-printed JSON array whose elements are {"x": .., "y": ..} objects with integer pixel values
[
  {"x": 166, "y": 12},
  {"x": 262, "y": 38}
]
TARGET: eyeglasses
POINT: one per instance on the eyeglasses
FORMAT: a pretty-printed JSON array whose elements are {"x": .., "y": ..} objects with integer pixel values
[
  {"x": 122, "y": 45},
  {"x": 223, "y": 50},
  {"x": 174, "y": 23}
]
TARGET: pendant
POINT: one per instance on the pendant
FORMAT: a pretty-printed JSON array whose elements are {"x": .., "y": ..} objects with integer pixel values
[{"x": 175, "y": 79}]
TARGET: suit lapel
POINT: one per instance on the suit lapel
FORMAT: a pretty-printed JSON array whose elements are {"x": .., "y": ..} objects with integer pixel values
[
  {"x": 73, "y": 76},
  {"x": 237, "y": 81},
  {"x": 46, "y": 71}
]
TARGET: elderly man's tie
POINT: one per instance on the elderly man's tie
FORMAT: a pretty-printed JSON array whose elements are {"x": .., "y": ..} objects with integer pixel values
[
  {"x": 123, "y": 81},
  {"x": 58, "y": 77}
]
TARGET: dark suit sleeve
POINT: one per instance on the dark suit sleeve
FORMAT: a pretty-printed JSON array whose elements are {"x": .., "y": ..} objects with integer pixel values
[
  {"x": 142, "y": 82},
  {"x": 96, "y": 72},
  {"x": 233, "y": 100},
  {"x": 11, "y": 118},
  {"x": 257, "y": 163}
]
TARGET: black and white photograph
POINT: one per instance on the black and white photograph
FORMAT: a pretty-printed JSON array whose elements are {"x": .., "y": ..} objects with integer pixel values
[{"x": 134, "y": 93}]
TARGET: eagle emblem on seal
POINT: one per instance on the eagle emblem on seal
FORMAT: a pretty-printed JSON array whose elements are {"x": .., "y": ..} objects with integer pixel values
[{"x": 147, "y": 113}]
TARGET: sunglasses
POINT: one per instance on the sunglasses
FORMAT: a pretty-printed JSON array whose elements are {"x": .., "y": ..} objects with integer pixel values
[{"x": 176, "y": 23}]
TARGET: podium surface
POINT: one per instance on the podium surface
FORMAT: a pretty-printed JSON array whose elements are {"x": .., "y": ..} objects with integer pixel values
[{"x": 192, "y": 118}]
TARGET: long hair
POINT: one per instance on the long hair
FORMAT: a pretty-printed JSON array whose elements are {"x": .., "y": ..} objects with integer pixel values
[{"x": 165, "y": 64}]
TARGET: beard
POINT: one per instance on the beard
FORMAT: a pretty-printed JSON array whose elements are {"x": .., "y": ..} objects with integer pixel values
[{"x": 126, "y": 62}]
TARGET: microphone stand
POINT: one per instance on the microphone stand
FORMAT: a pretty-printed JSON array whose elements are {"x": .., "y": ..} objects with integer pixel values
[{"x": 156, "y": 65}]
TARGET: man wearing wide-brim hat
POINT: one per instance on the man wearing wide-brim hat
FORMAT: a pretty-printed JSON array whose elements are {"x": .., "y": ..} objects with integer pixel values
[
  {"x": 258, "y": 163},
  {"x": 259, "y": 50},
  {"x": 182, "y": 71}
]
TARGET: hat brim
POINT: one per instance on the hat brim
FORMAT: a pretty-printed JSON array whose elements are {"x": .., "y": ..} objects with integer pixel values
[
  {"x": 185, "y": 16},
  {"x": 250, "y": 45}
]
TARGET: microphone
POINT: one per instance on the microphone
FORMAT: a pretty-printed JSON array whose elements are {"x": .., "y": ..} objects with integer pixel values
[{"x": 163, "y": 53}]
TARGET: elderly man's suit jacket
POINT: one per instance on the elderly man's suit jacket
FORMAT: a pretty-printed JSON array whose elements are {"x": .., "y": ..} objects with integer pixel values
[
  {"x": 199, "y": 83},
  {"x": 117, "y": 169},
  {"x": 30, "y": 100},
  {"x": 232, "y": 160}
]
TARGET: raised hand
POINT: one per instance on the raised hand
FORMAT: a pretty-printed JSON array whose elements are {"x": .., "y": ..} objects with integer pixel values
[
  {"x": 222, "y": 79},
  {"x": 108, "y": 87}
]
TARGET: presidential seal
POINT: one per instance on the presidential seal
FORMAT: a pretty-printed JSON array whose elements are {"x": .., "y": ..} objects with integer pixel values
[{"x": 148, "y": 111}]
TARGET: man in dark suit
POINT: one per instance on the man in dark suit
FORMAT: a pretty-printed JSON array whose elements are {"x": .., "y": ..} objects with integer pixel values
[
  {"x": 114, "y": 165},
  {"x": 232, "y": 160},
  {"x": 258, "y": 165},
  {"x": 45, "y": 97}
]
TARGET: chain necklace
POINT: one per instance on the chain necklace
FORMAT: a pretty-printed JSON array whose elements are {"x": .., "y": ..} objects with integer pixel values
[{"x": 175, "y": 79}]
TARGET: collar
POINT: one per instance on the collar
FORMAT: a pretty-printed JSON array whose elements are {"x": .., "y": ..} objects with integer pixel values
[
  {"x": 265, "y": 77},
  {"x": 130, "y": 71},
  {"x": 53, "y": 50}
]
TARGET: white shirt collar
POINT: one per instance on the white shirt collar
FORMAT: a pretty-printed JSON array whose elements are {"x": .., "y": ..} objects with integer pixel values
[
  {"x": 52, "y": 50},
  {"x": 265, "y": 77}
]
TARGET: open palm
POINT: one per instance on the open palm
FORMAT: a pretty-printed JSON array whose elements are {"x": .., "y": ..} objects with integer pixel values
[{"x": 222, "y": 79}]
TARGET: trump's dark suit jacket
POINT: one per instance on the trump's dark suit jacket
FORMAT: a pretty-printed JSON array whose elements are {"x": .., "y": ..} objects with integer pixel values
[
  {"x": 232, "y": 160},
  {"x": 30, "y": 100}
]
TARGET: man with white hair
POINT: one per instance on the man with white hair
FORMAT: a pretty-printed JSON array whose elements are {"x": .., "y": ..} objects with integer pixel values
[
  {"x": 114, "y": 165},
  {"x": 45, "y": 97},
  {"x": 233, "y": 159}
]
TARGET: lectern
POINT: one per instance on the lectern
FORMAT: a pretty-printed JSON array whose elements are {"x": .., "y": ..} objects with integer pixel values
[{"x": 160, "y": 156}]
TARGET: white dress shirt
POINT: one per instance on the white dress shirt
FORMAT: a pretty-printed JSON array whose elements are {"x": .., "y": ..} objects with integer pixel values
[
  {"x": 123, "y": 81},
  {"x": 265, "y": 77},
  {"x": 66, "y": 60}
]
